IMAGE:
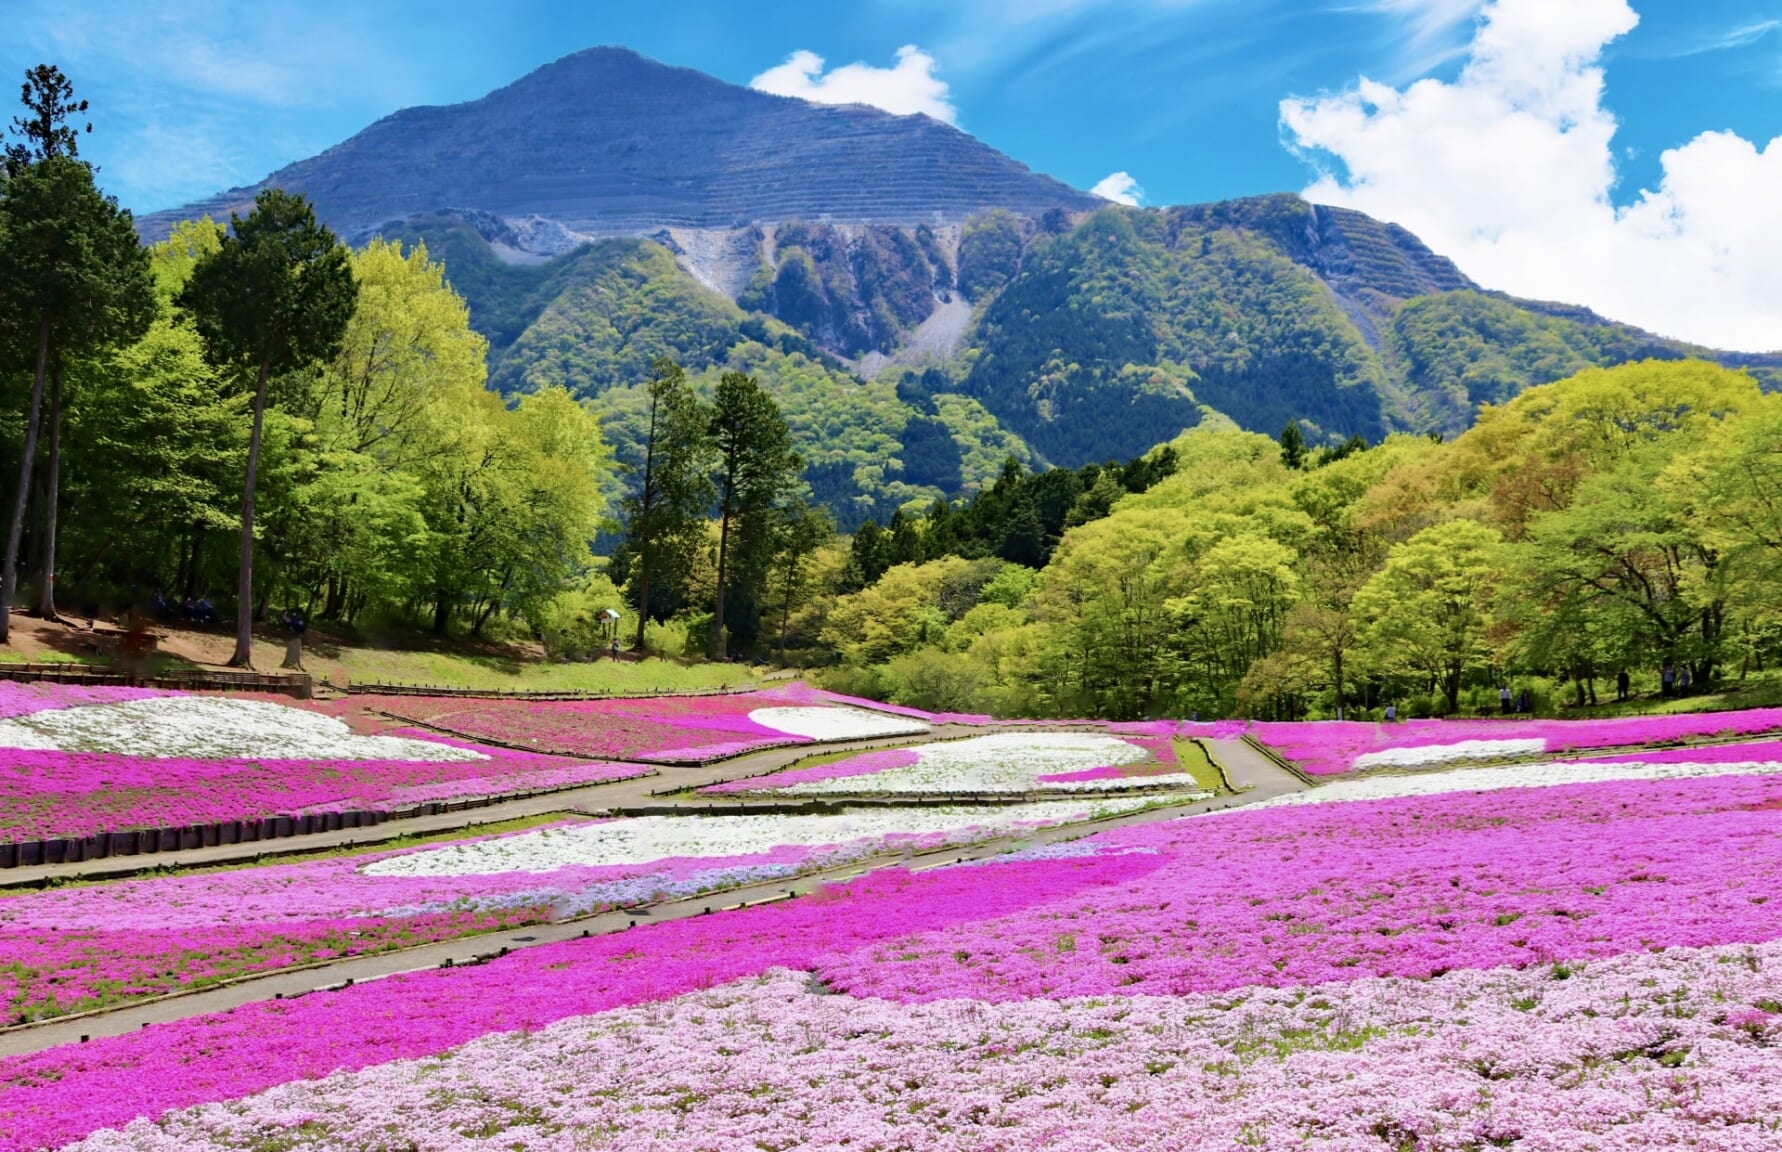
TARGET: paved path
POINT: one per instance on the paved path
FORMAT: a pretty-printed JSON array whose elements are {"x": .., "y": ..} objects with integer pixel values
[{"x": 1251, "y": 772}]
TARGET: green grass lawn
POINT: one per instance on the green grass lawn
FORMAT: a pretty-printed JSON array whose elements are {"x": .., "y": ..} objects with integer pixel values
[
  {"x": 1194, "y": 760},
  {"x": 494, "y": 669}
]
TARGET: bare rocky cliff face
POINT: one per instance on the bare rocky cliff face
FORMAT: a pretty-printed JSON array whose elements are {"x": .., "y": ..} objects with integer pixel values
[{"x": 605, "y": 142}]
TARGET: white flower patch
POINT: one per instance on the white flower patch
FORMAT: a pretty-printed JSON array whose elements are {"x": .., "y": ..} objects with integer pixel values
[
  {"x": 1544, "y": 775},
  {"x": 836, "y": 723},
  {"x": 212, "y": 728},
  {"x": 648, "y": 838},
  {"x": 1004, "y": 762},
  {"x": 1448, "y": 753}
]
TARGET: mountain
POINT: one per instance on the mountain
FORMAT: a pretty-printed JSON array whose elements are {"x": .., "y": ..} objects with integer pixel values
[
  {"x": 606, "y": 142},
  {"x": 921, "y": 306}
]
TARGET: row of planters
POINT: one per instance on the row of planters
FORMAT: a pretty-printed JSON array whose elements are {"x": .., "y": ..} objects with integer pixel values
[{"x": 147, "y": 841}]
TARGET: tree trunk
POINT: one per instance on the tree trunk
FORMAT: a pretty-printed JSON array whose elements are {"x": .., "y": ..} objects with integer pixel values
[
  {"x": 46, "y": 591},
  {"x": 786, "y": 612},
  {"x": 9, "y": 569},
  {"x": 1337, "y": 660},
  {"x": 442, "y": 613},
  {"x": 244, "y": 584},
  {"x": 718, "y": 611},
  {"x": 643, "y": 601}
]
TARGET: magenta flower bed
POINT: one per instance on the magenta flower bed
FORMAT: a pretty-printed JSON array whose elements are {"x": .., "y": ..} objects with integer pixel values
[
  {"x": 71, "y": 949},
  {"x": 45, "y": 794},
  {"x": 1411, "y": 887},
  {"x": 1757, "y": 752},
  {"x": 50, "y": 1098},
  {"x": 1328, "y": 747},
  {"x": 864, "y": 764},
  {"x": 1531, "y": 880},
  {"x": 23, "y": 699},
  {"x": 657, "y": 728}
]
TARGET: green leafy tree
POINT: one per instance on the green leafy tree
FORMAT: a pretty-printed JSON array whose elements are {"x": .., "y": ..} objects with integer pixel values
[
  {"x": 799, "y": 531},
  {"x": 74, "y": 283},
  {"x": 756, "y": 468},
  {"x": 1426, "y": 611},
  {"x": 276, "y": 297}
]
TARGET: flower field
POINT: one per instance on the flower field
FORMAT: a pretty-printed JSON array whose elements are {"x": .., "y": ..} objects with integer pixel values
[
  {"x": 79, "y": 761},
  {"x": 1537, "y": 963},
  {"x": 1004, "y": 762},
  {"x": 1331, "y": 747},
  {"x": 673, "y": 729},
  {"x": 70, "y": 949}
]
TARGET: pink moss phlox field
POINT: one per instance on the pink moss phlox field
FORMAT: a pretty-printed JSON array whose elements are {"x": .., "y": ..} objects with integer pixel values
[
  {"x": 1327, "y": 747},
  {"x": 46, "y": 794},
  {"x": 1409, "y": 887},
  {"x": 864, "y": 764},
  {"x": 654, "y": 728},
  {"x": 52, "y": 1097},
  {"x": 1670, "y": 1051},
  {"x": 1756, "y": 752},
  {"x": 23, "y": 699},
  {"x": 70, "y": 949}
]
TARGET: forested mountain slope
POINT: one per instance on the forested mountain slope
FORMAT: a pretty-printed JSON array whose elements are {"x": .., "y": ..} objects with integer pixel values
[{"x": 920, "y": 325}]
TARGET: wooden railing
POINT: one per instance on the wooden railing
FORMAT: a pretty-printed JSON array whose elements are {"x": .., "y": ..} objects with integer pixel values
[{"x": 297, "y": 684}]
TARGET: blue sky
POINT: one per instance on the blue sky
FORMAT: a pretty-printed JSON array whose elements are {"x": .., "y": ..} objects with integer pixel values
[{"x": 1184, "y": 95}]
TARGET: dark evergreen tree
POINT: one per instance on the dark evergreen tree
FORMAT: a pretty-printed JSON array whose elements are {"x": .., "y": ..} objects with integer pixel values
[
  {"x": 73, "y": 282},
  {"x": 665, "y": 517},
  {"x": 1293, "y": 446},
  {"x": 756, "y": 471}
]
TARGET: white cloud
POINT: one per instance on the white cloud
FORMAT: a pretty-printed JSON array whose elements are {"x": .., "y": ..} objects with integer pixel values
[
  {"x": 908, "y": 87},
  {"x": 1120, "y": 188},
  {"x": 1509, "y": 170}
]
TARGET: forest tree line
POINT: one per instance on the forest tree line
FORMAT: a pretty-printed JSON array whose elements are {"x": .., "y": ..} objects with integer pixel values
[{"x": 1622, "y": 520}]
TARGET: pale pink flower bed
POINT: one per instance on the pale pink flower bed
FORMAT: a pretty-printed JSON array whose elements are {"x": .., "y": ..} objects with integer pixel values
[
  {"x": 1329, "y": 747},
  {"x": 1585, "y": 966}
]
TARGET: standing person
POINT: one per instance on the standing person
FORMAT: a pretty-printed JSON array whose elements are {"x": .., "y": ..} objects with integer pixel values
[
  {"x": 1621, "y": 684},
  {"x": 1503, "y": 700},
  {"x": 1391, "y": 713},
  {"x": 1683, "y": 680},
  {"x": 1667, "y": 677}
]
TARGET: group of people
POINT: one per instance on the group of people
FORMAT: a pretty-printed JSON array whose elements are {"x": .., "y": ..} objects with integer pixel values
[
  {"x": 196, "y": 611},
  {"x": 1520, "y": 703},
  {"x": 1674, "y": 680}
]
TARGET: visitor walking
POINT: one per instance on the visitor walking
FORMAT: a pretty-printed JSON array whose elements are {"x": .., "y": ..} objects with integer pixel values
[
  {"x": 1621, "y": 684},
  {"x": 1503, "y": 700},
  {"x": 1391, "y": 713},
  {"x": 1683, "y": 680},
  {"x": 1667, "y": 678}
]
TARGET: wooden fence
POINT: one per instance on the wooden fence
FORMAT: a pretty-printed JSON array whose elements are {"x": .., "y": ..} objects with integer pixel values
[{"x": 297, "y": 684}]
